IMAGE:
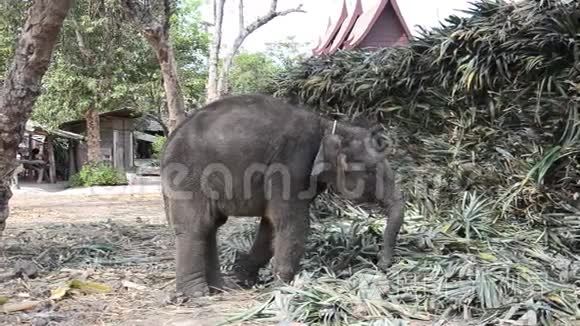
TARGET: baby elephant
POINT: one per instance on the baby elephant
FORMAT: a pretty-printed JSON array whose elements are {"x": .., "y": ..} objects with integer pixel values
[{"x": 255, "y": 155}]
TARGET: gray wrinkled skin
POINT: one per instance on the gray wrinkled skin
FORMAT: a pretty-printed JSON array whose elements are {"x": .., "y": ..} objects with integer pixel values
[{"x": 215, "y": 165}]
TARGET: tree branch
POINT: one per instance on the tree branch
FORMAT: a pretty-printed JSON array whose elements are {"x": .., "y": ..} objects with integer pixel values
[
  {"x": 274, "y": 5},
  {"x": 241, "y": 14},
  {"x": 137, "y": 12},
  {"x": 156, "y": 33},
  {"x": 212, "y": 87},
  {"x": 86, "y": 53},
  {"x": 244, "y": 33},
  {"x": 168, "y": 11},
  {"x": 261, "y": 21}
]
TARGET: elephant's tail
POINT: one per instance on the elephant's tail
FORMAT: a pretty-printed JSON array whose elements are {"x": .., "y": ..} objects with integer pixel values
[{"x": 166, "y": 207}]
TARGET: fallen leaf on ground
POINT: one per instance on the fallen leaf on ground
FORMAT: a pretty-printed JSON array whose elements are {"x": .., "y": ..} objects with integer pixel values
[
  {"x": 20, "y": 306},
  {"x": 60, "y": 292},
  {"x": 90, "y": 287},
  {"x": 86, "y": 287},
  {"x": 131, "y": 285},
  {"x": 487, "y": 256}
]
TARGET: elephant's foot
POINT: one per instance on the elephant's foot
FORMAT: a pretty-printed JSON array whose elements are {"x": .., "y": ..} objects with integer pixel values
[
  {"x": 193, "y": 288},
  {"x": 173, "y": 297},
  {"x": 194, "y": 291},
  {"x": 385, "y": 262},
  {"x": 246, "y": 277},
  {"x": 245, "y": 272},
  {"x": 277, "y": 282},
  {"x": 284, "y": 273}
]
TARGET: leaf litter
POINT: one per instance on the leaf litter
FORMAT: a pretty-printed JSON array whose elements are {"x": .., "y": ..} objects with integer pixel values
[
  {"x": 482, "y": 117},
  {"x": 105, "y": 272}
]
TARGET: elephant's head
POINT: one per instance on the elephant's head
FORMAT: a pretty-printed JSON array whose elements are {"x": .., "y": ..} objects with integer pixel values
[{"x": 352, "y": 161}]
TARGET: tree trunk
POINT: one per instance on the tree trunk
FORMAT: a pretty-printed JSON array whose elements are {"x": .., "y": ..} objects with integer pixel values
[
  {"x": 93, "y": 136},
  {"x": 157, "y": 34},
  {"x": 159, "y": 41},
  {"x": 23, "y": 85},
  {"x": 213, "y": 70}
]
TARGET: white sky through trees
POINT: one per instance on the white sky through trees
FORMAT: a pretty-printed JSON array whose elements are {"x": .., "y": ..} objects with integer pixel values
[{"x": 307, "y": 27}]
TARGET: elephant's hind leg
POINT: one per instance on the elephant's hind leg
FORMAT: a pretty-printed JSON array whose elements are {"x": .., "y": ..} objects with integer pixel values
[
  {"x": 193, "y": 225},
  {"x": 248, "y": 265},
  {"x": 212, "y": 269}
]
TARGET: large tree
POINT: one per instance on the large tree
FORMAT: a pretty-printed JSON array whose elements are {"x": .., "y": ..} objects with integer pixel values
[
  {"x": 22, "y": 85},
  {"x": 154, "y": 20},
  {"x": 218, "y": 78},
  {"x": 97, "y": 68},
  {"x": 127, "y": 74}
]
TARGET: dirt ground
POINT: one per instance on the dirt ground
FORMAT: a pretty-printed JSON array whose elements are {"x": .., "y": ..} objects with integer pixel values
[{"x": 120, "y": 242}]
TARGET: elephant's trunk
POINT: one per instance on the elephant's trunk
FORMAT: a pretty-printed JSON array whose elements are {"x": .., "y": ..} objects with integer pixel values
[{"x": 391, "y": 199}]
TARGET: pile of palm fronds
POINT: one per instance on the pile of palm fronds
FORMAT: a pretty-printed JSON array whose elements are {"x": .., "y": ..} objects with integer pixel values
[
  {"x": 493, "y": 96},
  {"x": 483, "y": 114}
]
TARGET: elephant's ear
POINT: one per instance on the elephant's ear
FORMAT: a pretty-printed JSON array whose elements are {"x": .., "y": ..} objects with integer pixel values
[
  {"x": 327, "y": 155},
  {"x": 377, "y": 140}
]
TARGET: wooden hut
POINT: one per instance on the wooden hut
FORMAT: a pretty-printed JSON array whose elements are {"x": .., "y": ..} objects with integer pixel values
[
  {"x": 117, "y": 138},
  {"x": 126, "y": 136},
  {"x": 38, "y": 155}
]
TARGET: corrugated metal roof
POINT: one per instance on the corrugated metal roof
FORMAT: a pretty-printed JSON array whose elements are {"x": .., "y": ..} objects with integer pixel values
[{"x": 32, "y": 126}]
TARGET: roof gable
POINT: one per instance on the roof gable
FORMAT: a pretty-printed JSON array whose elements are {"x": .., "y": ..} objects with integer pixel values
[
  {"x": 351, "y": 28},
  {"x": 346, "y": 28},
  {"x": 331, "y": 31}
]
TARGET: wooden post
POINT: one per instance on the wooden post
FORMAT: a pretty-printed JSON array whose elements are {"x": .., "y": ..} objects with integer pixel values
[
  {"x": 51, "y": 160},
  {"x": 29, "y": 173},
  {"x": 71, "y": 159},
  {"x": 40, "y": 175},
  {"x": 131, "y": 151}
]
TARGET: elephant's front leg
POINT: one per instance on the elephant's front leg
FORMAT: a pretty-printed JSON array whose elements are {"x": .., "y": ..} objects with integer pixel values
[
  {"x": 191, "y": 226},
  {"x": 290, "y": 226},
  {"x": 248, "y": 265}
]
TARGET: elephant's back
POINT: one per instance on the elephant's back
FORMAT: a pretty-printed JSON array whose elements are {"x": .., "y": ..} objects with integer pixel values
[{"x": 238, "y": 131}]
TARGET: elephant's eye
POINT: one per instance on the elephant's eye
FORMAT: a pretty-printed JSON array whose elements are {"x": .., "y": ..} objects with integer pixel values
[{"x": 380, "y": 143}]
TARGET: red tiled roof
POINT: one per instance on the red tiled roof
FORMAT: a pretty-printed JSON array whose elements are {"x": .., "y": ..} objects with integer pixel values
[
  {"x": 353, "y": 27},
  {"x": 346, "y": 28},
  {"x": 331, "y": 31}
]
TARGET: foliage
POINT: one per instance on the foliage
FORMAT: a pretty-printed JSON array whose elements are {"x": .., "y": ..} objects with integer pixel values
[
  {"x": 251, "y": 73},
  {"x": 286, "y": 53},
  {"x": 123, "y": 71},
  {"x": 482, "y": 115},
  {"x": 11, "y": 21},
  {"x": 255, "y": 72},
  {"x": 87, "y": 72},
  {"x": 158, "y": 146},
  {"x": 191, "y": 46},
  {"x": 98, "y": 174}
]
